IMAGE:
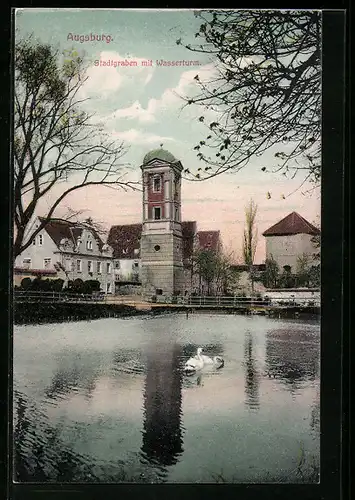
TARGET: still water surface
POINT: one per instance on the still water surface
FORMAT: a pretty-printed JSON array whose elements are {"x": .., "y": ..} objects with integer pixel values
[{"x": 107, "y": 400}]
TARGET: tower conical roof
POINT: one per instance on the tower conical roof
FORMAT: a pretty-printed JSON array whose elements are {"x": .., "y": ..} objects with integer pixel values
[{"x": 293, "y": 223}]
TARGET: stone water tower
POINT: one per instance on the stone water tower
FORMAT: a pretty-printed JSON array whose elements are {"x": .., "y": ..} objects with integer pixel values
[{"x": 161, "y": 241}]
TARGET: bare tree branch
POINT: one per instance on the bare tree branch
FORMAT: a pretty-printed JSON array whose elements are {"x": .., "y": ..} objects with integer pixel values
[
  {"x": 55, "y": 141},
  {"x": 265, "y": 92}
]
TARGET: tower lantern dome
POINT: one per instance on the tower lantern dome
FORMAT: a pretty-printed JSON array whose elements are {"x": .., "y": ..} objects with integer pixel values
[{"x": 159, "y": 154}]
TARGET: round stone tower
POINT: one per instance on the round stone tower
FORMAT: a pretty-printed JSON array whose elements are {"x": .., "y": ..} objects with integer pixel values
[{"x": 161, "y": 240}]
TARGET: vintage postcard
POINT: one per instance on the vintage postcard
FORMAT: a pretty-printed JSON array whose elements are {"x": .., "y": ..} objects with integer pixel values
[{"x": 167, "y": 225}]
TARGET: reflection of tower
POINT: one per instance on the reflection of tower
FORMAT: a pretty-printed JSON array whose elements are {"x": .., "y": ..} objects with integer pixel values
[
  {"x": 162, "y": 439},
  {"x": 251, "y": 374},
  {"x": 161, "y": 240}
]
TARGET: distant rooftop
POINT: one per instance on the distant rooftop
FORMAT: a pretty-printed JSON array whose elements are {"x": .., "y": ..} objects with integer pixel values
[
  {"x": 293, "y": 223},
  {"x": 209, "y": 240},
  {"x": 59, "y": 229}
]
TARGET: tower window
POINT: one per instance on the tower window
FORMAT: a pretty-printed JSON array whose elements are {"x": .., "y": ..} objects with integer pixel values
[
  {"x": 157, "y": 248},
  {"x": 156, "y": 213},
  {"x": 156, "y": 184}
]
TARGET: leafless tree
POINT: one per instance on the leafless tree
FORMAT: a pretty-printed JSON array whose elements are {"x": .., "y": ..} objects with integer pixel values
[
  {"x": 56, "y": 144},
  {"x": 266, "y": 92},
  {"x": 250, "y": 236}
]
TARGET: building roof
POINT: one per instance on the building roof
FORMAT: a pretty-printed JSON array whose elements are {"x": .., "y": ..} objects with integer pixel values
[
  {"x": 58, "y": 229},
  {"x": 26, "y": 270},
  {"x": 293, "y": 223},
  {"x": 124, "y": 239},
  {"x": 209, "y": 240},
  {"x": 159, "y": 154}
]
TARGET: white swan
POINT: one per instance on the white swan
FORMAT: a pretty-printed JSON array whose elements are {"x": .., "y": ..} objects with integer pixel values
[
  {"x": 195, "y": 363},
  {"x": 217, "y": 361}
]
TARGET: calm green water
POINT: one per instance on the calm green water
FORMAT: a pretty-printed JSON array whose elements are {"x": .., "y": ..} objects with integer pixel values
[{"x": 107, "y": 400}]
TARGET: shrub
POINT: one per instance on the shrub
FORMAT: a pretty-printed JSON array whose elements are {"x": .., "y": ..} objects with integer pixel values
[
  {"x": 57, "y": 285},
  {"x": 92, "y": 286},
  {"x": 26, "y": 284},
  {"x": 78, "y": 286}
]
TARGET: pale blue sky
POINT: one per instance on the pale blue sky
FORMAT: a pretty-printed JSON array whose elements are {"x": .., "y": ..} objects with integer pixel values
[{"x": 139, "y": 105}]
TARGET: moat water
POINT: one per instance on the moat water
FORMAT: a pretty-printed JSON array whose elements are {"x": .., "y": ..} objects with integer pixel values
[{"x": 107, "y": 400}]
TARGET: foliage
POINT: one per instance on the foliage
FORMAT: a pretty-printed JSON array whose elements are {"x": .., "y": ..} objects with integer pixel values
[
  {"x": 302, "y": 270},
  {"x": 286, "y": 279},
  {"x": 314, "y": 276},
  {"x": 86, "y": 287},
  {"x": 41, "y": 285},
  {"x": 205, "y": 267},
  {"x": 26, "y": 284},
  {"x": 54, "y": 139},
  {"x": 92, "y": 285},
  {"x": 250, "y": 236},
  {"x": 215, "y": 270},
  {"x": 226, "y": 276},
  {"x": 265, "y": 92},
  {"x": 271, "y": 273}
]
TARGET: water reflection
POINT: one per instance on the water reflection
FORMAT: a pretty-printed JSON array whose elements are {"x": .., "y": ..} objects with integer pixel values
[
  {"x": 39, "y": 453},
  {"x": 73, "y": 373},
  {"x": 252, "y": 376},
  {"x": 292, "y": 357},
  {"x": 162, "y": 435}
]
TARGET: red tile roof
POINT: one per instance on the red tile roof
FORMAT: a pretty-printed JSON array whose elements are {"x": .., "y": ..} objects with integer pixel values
[
  {"x": 293, "y": 223},
  {"x": 209, "y": 240},
  {"x": 124, "y": 239},
  {"x": 59, "y": 229},
  {"x": 26, "y": 270}
]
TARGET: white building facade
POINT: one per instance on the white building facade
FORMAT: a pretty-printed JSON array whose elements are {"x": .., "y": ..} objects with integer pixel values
[
  {"x": 290, "y": 240},
  {"x": 71, "y": 250}
]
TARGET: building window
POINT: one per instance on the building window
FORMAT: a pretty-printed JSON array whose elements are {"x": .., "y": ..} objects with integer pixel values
[
  {"x": 108, "y": 287},
  {"x": 89, "y": 266},
  {"x": 159, "y": 291},
  {"x": 117, "y": 264},
  {"x": 27, "y": 263},
  {"x": 69, "y": 265},
  {"x": 40, "y": 239},
  {"x": 34, "y": 241},
  {"x": 135, "y": 265},
  {"x": 88, "y": 245},
  {"x": 78, "y": 265},
  {"x": 99, "y": 267},
  {"x": 108, "y": 267},
  {"x": 47, "y": 263},
  {"x": 156, "y": 213},
  {"x": 156, "y": 184}
]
